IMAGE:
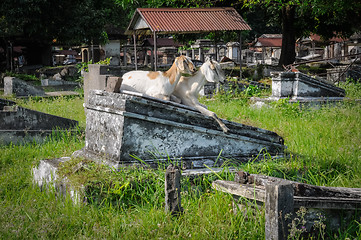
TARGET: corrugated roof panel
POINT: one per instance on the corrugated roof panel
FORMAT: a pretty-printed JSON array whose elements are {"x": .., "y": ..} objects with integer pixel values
[{"x": 172, "y": 20}]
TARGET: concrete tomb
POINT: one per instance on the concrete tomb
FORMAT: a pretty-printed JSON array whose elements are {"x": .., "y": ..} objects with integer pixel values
[
  {"x": 124, "y": 126},
  {"x": 342, "y": 73},
  {"x": 19, "y": 124},
  {"x": 300, "y": 87}
]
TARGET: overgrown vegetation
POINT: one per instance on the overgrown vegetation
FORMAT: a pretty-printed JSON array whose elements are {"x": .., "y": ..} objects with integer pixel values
[
  {"x": 84, "y": 67},
  {"x": 322, "y": 148},
  {"x": 23, "y": 76}
]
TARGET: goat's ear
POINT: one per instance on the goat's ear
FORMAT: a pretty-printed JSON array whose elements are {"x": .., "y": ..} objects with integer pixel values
[
  {"x": 179, "y": 63},
  {"x": 208, "y": 59},
  {"x": 209, "y": 75}
]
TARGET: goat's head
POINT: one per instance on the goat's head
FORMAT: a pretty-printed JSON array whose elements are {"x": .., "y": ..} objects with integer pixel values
[
  {"x": 185, "y": 64},
  {"x": 213, "y": 71}
]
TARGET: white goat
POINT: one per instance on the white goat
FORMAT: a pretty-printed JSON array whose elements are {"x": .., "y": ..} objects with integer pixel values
[
  {"x": 158, "y": 84},
  {"x": 188, "y": 88}
]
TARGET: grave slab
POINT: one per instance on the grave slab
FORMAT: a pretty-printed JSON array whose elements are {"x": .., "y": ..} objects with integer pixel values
[
  {"x": 122, "y": 128},
  {"x": 20, "y": 124}
]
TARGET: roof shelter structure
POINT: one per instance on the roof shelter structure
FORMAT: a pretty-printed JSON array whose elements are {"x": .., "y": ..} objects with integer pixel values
[
  {"x": 269, "y": 40},
  {"x": 154, "y": 21}
]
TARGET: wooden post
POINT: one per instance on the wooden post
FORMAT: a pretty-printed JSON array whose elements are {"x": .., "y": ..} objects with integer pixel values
[
  {"x": 172, "y": 190},
  {"x": 155, "y": 51},
  {"x": 240, "y": 55},
  {"x": 92, "y": 51},
  {"x": 135, "y": 51},
  {"x": 279, "y": 203},
  {"x": 125, "y": 56},
  {"x": 200, "y": 52}
]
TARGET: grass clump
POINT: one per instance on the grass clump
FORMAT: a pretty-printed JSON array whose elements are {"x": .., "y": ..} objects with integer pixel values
[
  {"x": 352, "y": 88},
  {"x": 120, "y": 189}
]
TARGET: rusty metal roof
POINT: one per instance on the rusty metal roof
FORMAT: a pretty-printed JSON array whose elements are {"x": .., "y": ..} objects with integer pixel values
[
  {"x": 269, "y": 42},
  {"x": 185, "y": 20}
]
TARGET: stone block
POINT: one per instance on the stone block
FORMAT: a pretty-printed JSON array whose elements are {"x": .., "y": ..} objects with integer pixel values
[
  {"x": 279, "y": 209},
  {"x": 282, "y": 86},
  {"x": 113, "y": 84}
]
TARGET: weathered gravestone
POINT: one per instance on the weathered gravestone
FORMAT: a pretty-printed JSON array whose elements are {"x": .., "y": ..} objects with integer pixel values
[
  {"x": 123, "y": 127},
  {"x": 19, "y": 124},
  {"x": 45, "y": 175},
  {"x": 299, "y": 87},
  {"x": 20, "y": 88}
]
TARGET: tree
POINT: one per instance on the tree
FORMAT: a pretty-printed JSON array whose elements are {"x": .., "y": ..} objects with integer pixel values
[
  {"x": 301, "y": 17},
  {"x": 41, "y": 23}
]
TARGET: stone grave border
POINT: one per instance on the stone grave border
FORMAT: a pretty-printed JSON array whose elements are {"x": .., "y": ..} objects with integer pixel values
[{"x": 282, "y": 197}]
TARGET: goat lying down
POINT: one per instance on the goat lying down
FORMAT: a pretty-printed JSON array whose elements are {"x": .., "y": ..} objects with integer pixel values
[
  {"x": 158, "y": 84},
  {"x": 188, "y": 88}
]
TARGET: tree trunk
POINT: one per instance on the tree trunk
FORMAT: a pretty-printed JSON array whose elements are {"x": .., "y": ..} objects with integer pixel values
[{"x": 288, "y": 53}]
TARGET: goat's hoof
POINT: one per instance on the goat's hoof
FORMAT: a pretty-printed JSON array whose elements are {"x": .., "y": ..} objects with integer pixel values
[{"x": 225, "y": 129}]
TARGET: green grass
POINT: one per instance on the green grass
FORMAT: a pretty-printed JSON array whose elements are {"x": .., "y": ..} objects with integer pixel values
[{"x": 322, "y": 147}]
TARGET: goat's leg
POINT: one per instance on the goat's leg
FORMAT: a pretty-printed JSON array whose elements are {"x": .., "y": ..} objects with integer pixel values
[
  {"x": 208, "y": 113},
  {"x": 175, "y": 99}
]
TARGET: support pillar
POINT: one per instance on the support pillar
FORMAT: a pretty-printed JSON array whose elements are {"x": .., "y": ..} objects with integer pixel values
[
  {"x": 135, "y": 51},
  {"x": 200, "y": 54},
  {"x": 240, "y": 56},
  {"x": 155, "y": 51},
  {"x": 279, "y": 204}
]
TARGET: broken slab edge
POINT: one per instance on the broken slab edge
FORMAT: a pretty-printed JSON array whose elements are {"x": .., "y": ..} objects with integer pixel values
[
  {"x": 45, "y": 176},
  {"x": 197, "y": 162}
]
